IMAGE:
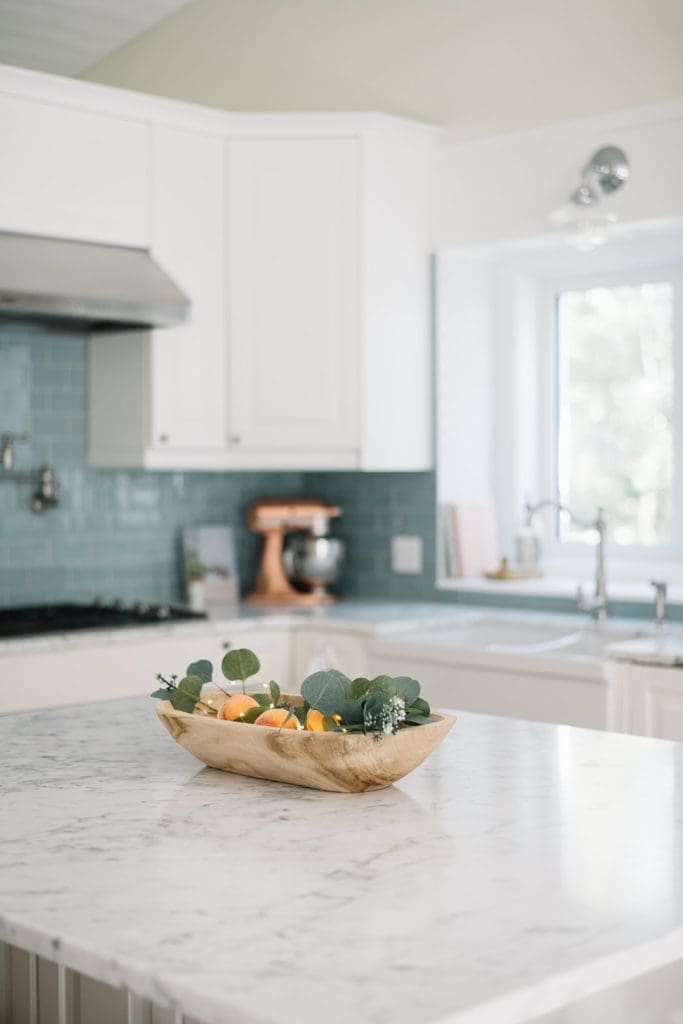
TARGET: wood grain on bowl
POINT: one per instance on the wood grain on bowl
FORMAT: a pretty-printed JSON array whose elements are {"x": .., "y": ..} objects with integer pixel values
[{"x": 334, "y": 761}]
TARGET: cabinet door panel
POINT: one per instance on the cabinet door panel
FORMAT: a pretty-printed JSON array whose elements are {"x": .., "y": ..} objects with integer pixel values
[
  {"x": 293, "y": 307},
  {"x": 656, "y": 699},
  {"x": 188, "y": 362},
  {"x": 72, "y": 173}
]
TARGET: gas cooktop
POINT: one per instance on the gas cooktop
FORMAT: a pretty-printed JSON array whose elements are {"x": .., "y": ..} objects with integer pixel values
[{"x": 63, "y": 618}]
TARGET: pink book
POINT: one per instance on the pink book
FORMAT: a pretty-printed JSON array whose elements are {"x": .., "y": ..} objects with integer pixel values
[{"x": 475, "y": 539}]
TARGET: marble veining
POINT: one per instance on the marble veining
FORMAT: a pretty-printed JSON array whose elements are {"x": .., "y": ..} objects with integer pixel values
[{"x": 520, "y": 866}]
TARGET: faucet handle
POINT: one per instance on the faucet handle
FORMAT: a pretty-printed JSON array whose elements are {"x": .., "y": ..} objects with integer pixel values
[
  {"x": 660, "y": 600},
  {"x": 7, "y": 442}
]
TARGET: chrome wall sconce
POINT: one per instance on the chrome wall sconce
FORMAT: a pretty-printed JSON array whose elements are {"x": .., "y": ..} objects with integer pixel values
[{"x": 582, "y": 219}]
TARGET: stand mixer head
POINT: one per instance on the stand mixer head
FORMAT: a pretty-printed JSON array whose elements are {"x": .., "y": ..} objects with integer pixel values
[{"x": 314, "y": 558}]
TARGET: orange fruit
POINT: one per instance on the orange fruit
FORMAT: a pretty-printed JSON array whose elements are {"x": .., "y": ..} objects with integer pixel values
[
  {"x": 277, "y": 718},
  {"x": 235, "y": 706}
]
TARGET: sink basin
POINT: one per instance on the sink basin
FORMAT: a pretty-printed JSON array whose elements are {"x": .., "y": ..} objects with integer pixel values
[
  {"x": 587, "y": 643},
  {"x": 502, "y": 634}
]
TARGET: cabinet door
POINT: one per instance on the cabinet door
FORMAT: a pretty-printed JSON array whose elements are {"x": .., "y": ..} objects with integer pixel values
[
  {"x": 102, "y": 670},
  {"x": 187, "y": 372},
  {"x": 655, "y": 696},
  {"x": 293, "y": 294},
  {"x": 487, "y": 690},
  {"x": 72, "y": 173}
]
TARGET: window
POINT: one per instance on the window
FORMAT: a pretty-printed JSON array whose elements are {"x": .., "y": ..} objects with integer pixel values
[
  {"x": 560, "y": 376},
  {"x": 615, "y": 408}
]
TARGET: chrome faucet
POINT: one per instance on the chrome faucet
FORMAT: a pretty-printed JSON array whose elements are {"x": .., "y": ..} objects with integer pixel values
[{"x": 596, "y": 605}]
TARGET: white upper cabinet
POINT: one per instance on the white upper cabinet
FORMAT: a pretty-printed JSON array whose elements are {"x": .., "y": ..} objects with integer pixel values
[
  {"x": 157, "y": 398},
  {"x": 293, "y": 301},
  {"x": 329, "y": 298},
  {"x": 72, "y": 173},
  {"x": 187, "y": 372},
  {"x": 302, "y": 242}
]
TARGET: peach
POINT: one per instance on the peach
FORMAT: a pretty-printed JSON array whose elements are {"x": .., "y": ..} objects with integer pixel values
[
  {"x": 314, "y": 720},
  {"x": 277, "y": 718},
  {"x": 235, "y": 706}
]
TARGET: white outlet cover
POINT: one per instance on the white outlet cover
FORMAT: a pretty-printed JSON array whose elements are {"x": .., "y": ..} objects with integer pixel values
[{"x": 406, "y": 554}]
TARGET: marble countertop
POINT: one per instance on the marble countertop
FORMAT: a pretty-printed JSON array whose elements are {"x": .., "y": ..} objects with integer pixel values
[
  {"x": 522, "y": 866},
  {"x": 368, "y": 617},
  {"x": 665, "y": 649}
]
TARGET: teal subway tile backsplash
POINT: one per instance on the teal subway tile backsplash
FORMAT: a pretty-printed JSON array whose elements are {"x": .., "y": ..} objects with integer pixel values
[{"x": 116, "y": 533}]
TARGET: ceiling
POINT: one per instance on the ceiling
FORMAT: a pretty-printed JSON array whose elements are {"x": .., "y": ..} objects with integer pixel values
[
  {"x": 481, "y": 67},
  {"x": 67, "y": 37}
]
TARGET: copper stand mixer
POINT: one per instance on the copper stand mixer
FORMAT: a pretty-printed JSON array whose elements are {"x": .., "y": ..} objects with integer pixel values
[{"x": 312, "y": 559}]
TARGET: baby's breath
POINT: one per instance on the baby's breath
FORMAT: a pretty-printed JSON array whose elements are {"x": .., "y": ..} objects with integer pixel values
[{"x": 385, "y": 721}]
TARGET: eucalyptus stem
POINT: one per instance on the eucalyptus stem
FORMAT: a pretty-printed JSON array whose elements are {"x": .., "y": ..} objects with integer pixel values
[{"x": 170, "y": 685}]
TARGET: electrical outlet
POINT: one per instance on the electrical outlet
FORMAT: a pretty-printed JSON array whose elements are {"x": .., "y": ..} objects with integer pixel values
[{"x": 406, "y": 554}]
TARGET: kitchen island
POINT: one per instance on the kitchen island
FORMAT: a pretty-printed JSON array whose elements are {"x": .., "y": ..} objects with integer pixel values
[{"x": 522, "y": 867}]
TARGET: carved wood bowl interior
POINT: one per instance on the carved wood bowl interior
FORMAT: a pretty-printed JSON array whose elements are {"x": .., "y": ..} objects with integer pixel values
[{"x": 334, "y": 761}]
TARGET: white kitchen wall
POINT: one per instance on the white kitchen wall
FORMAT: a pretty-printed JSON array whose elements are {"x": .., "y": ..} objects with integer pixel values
[{"x": 504, "y": 187}]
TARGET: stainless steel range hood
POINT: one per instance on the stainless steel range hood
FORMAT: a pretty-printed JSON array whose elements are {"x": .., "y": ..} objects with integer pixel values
[{"x": 82, "y": 284}]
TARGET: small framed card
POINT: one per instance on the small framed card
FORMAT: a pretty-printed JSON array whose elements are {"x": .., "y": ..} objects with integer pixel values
[{"x": 210, "y": 560}]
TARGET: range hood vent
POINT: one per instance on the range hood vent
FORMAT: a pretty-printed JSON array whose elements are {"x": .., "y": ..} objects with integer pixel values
[{"x": 85, "y": 285}]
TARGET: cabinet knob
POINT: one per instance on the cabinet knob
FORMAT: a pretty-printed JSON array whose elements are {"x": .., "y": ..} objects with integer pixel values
[
  {"x": 235, "y": 439},
  {"x": 226, "y": 645},
  {"x": 164, "y": 438}
]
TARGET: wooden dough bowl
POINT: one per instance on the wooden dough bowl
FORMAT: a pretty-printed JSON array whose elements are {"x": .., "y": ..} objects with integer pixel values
[{"x": 335, "y": 761}]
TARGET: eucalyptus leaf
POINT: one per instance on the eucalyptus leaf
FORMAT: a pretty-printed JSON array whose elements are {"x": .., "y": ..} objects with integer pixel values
[
  {"x": 186, "y": 693},
  {"x": 408, "y": 689},
  {"x": 203, "y": 669},
  {"x": 351, "y": 712},
  {"x": 324, "y": 691},
  {"x": 240, "y": 664},
  {"x": 359, "y": 687},
  {"x": 300, "y": 713},
  {"x": 262, "y": 699},
  {"x": 251, "y": 714},
  {"x": 274, "y": 691},
  {"x": 383, "y": 684},
  {"x": 343, "y": 679},
  {"x": 374, "y": 702},
  {"x": 418, "y": 707},
  {"x": 161, "y": 694},
  {"x": 417, "y": 719}
]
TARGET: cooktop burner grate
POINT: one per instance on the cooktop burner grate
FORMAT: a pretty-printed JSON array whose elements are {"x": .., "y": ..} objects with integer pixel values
[{"x": 64, "y": 618}]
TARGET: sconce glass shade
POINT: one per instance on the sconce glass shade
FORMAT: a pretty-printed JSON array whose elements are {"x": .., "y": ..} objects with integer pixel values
[{"x": 585, "y": 227}]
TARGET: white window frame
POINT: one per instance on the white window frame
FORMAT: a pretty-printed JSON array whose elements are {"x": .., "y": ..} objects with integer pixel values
[
  {"x": 496, "y": 402},
  {"x": 625, "y": 560}
]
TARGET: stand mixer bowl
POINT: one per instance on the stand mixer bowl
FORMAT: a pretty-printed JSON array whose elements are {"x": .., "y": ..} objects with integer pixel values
[{"x": 316, "y": 561}]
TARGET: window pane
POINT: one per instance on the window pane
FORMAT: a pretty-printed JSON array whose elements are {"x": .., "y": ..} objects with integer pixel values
[{"x": 615, "y": 442}]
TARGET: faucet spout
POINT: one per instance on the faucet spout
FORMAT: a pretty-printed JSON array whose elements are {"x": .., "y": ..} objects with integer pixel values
[{"x": 596, "y": 605}]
